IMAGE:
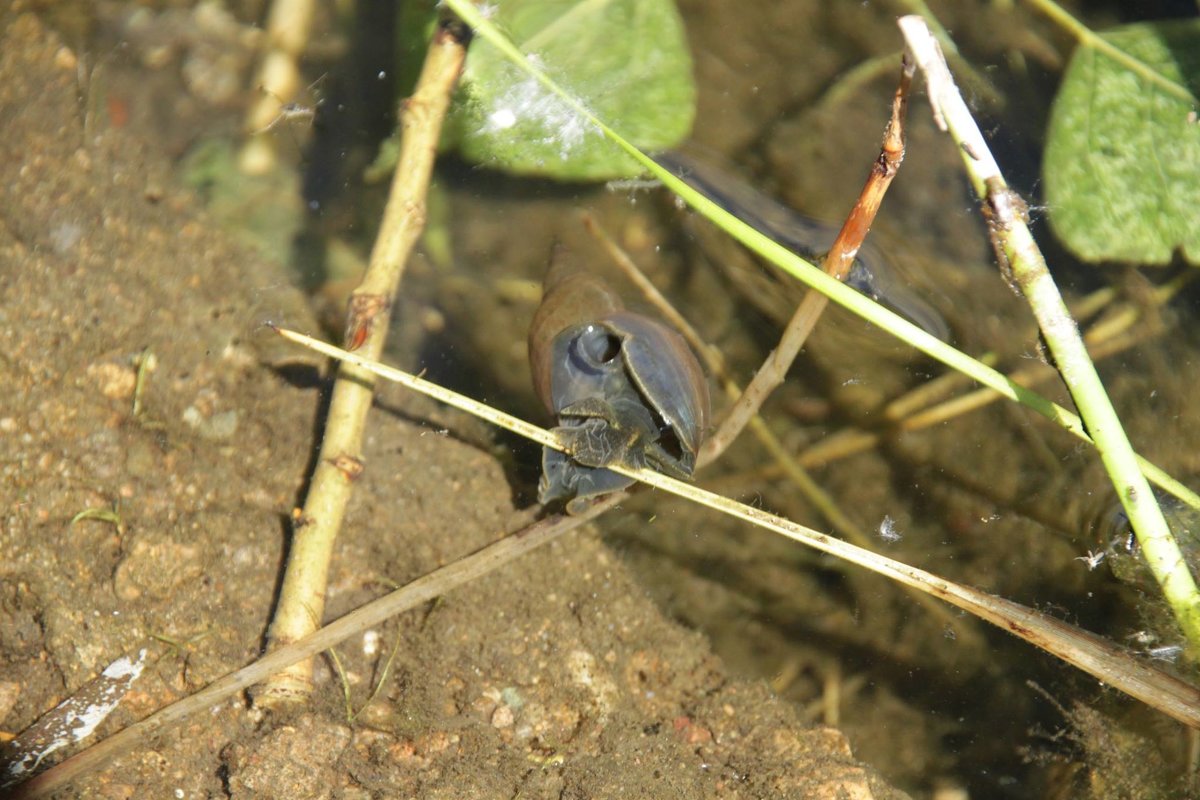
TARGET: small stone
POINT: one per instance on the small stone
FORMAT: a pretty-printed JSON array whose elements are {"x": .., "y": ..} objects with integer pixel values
[
  {"x": 502, "y": 717},
  {"x": 115, "y": 381},
  {"x": 9, "y": 692},
  {"x": 65, "y": 58}
]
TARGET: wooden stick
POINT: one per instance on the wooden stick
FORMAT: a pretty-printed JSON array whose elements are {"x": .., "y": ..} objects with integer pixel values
[
  {"x": 1007, "y": 217},
  {"x": 277, "y": 79},
  {"x": 837, "y": 264},
  {"x": 302, "y": 597}
]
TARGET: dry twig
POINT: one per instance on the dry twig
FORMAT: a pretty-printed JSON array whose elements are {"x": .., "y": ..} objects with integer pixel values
[
  {"x": 302, "y": 597},
  {"x": 837, "y": 264}
]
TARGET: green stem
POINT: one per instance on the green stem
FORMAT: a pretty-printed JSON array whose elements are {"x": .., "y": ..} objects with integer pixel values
[
  {"x": 1088, "y": 38},
  {"x": 1006, "y": 214}
]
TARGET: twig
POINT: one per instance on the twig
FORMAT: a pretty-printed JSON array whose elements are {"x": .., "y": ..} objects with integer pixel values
[
  {"x": 974, "y": 80},
  {"x": 302, "y": 597},
  {"x": 278, "y": 78},
  {"x": 837, "y": 265},
  {"x": 1006, "y": 214}
]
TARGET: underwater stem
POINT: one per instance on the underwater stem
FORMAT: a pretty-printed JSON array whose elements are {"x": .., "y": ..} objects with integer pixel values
[
  {"x": 302, "y": 597},
  {"x": 1087, "y": 38},
  {"x": 277, "y": 79},
  {"x": 1006, "y": 215}
]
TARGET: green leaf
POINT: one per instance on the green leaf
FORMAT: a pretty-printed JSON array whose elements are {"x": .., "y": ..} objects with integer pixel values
[
  {"x": 628, "y": 61},
  {"x": 1122, "y": 160}
]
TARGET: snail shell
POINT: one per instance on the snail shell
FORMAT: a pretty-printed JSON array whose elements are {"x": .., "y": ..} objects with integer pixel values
[
  {"x": 570, "y": 298},
  {"x": 619, "y": 380}
]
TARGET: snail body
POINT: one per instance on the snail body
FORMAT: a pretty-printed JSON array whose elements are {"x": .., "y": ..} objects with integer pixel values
[{"x": 625, "y": 389}]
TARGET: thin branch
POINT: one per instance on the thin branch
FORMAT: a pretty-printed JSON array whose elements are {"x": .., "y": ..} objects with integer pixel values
[
  {"x": 302, "y": 597},
  {"x": 837, "y": 264},
  {"x": 973, "y": 78},
  {"x": 278, "y": 79}
]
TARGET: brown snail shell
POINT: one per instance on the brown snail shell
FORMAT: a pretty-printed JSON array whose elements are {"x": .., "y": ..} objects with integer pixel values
[{"x": 626, "y": 389}]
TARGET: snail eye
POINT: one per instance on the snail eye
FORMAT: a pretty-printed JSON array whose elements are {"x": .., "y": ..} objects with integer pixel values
[{"x": 597, "y": 346}]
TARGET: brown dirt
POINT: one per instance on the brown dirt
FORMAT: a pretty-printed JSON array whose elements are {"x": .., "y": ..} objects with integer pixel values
[{"x": 556, "y": 677}]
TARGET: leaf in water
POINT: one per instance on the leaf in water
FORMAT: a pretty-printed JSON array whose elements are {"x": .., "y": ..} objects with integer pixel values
[
  {"x": 1123, "y": 155},
  {"x": 626, "y": 59}
]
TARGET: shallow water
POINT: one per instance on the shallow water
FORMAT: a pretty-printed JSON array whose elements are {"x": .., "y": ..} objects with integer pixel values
[{"x": 997, "y": 499}]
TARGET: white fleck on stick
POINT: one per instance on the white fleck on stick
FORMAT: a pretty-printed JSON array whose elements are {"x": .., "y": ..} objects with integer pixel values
[{"x": 71, "y": 720}]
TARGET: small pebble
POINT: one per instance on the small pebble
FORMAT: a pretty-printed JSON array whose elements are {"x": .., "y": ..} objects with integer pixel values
[{"x": 502, "y": 717}]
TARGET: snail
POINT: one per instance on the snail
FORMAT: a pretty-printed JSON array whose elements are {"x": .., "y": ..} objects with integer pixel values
[{"x": 624, "y": 388}]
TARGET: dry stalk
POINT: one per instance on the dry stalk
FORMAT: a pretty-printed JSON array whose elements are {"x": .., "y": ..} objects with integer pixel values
[
  {"x": 278, "y": 80},
  {"x": 837, "y": 264},
  {"x": 302, "y": 597},
  {"x": 1007, "y": 216}
]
